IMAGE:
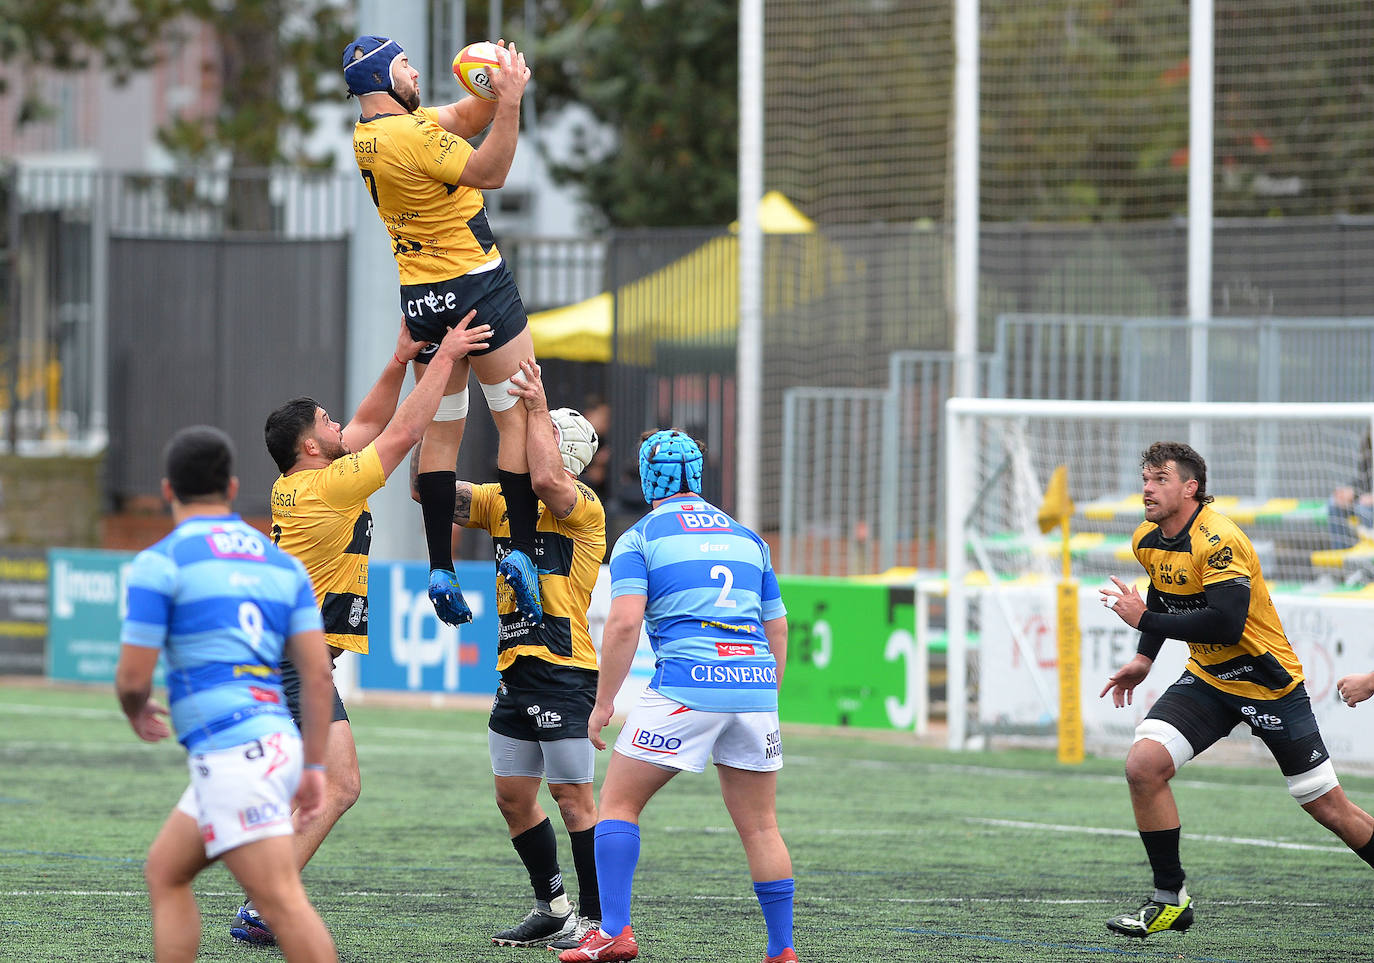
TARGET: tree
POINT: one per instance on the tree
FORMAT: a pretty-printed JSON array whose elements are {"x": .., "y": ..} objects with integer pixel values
[
  {"x": 277, "y": 60},
  {"x": 663, "y": 77}
]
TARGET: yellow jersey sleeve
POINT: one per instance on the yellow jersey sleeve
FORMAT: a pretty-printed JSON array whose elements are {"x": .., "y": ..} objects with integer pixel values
[
  {"x": 488, "y": 510},
  {"x": 349, "y": 480},
  {"x": 587, "y": 517},
  {"x": 1221, "y": 553}
]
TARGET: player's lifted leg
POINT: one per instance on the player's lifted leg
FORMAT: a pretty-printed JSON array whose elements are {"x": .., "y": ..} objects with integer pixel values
[
  {"x": 434, "y": 488},
  {"x": 494, "y": 370}
]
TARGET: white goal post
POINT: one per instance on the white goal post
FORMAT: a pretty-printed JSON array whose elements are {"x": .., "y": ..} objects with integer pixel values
[{"x": 1272, "y": 468}]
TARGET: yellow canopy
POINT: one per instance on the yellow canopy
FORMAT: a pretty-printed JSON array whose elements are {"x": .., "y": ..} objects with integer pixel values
[{"x": 697, "y": 294}]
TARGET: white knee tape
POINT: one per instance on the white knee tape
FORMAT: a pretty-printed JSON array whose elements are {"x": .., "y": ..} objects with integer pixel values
[
  {"x": 453, "y": 407},
  {"x": 1173, "y": 741},
  {"x": 1310, "y": 785},
  {"x": 498, "y": 396}
]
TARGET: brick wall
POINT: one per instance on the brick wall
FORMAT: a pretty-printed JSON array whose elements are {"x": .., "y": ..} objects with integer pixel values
[{"x": 50, "y": 501}]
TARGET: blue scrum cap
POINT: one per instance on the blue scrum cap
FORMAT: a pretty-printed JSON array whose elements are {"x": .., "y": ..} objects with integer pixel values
[
  {"x": 667, "y": 459},
  {"x": 370, "y": 73}
]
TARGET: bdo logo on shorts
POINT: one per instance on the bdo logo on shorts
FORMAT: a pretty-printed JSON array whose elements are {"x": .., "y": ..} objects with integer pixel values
[
  {"x": 653, "y": 742},
  {"x": 264, "y": 814}
]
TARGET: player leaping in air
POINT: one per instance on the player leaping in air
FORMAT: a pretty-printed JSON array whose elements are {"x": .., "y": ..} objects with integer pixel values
[{"x": 427, "y": 182}]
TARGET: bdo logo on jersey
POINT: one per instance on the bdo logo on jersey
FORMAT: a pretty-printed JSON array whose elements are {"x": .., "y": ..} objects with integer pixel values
[
  {"x": 704, "y": 521},
  {"x": 654, "y": 742},
  {"x": 235, "y": 544}
]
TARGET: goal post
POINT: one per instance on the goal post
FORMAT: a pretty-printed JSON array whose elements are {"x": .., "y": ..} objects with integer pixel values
[{"x": 1272, "y": 468}]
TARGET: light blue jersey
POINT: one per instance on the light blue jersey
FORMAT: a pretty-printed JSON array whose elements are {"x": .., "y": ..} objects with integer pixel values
[
  {"x": 220, "y": 600},
  {"x": 709, "y": 586}
]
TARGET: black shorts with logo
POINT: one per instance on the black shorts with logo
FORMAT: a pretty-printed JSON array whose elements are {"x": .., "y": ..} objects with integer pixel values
[
  {"x": 291, "y": 685},
  {"x": 1205, "y": 714},
  {"x": 537, "y": 701},
  {"x": 431, "y": 309}
]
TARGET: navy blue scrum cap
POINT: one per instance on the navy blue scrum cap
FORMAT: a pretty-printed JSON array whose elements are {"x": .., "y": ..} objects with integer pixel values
[{"x": 371, "y": 72}]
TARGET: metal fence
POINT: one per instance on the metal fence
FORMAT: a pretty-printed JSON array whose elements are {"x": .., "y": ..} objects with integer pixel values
[
  {"x": 840, "y": 516},
  {"x": 853, "y": 308},
  {"x": 1139, "y": 359},
  {"x": 862, "y": 469},
  {"x": 128, "y": 299}
]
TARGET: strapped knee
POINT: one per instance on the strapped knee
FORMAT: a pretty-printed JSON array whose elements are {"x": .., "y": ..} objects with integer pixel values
[
  {"x": 498, "y": 395},
  {"x": 453, "y": 407},
  {"x": 1313, "y": 784},
  {"x": 1173, "y": 741}
]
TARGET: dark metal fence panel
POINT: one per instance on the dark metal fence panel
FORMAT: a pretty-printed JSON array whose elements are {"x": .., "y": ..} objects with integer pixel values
[{"x": 219, "y": 331}]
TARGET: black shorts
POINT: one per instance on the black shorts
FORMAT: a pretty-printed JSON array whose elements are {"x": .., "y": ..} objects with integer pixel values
[
  {"x": 1205, "y": 714},
  {"x": 431, "y": 309},
  {"x": 537, "y": 701},
  {"x": 291, "y": 685}
]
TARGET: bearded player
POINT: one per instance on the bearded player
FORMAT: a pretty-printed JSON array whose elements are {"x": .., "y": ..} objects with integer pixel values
[{"x": 427, "y": 183}]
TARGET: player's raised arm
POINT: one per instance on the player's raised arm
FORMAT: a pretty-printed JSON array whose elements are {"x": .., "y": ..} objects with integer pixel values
[
  {"x": 549, "y": 474},
  {"x": 377, "y": 408},
  {"x": 490, "y": 163},
  {"x": 417, "y": 411}
]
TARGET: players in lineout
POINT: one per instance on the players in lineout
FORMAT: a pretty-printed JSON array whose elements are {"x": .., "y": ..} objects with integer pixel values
[
  {"x": 538, "y": 726},
  {"x": 320, "y": 514},
  {"x": 426, "y": 181}
]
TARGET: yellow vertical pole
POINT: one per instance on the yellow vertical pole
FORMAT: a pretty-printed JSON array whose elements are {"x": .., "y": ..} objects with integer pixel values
[{"x": 1070, "y": 667}]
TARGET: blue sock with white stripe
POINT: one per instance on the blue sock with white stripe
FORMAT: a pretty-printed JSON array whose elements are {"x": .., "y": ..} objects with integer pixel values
[
  {"x": 775, "y": 898},
  {"x": 617, "y": 855}
]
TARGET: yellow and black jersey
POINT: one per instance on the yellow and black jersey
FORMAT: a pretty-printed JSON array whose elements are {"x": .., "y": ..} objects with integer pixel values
[
  {"x": 1209, "y": 553},
  {"x": 411, "y": 166},
  {"x": 321, "y": 516},
  {"x": 568, "y": 553}
]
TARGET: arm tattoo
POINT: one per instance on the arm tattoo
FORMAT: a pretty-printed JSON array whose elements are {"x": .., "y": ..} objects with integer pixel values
[{"x": 462, "y": 504}]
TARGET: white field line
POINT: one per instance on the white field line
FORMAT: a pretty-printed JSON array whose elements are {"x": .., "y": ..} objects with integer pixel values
[{"x": 1198, "y": 837}]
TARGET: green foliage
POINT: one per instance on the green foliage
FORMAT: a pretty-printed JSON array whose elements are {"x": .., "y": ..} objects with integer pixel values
[{"x": 664, "y": 78}]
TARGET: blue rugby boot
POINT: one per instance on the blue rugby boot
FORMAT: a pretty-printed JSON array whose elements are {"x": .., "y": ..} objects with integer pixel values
[
  {"x": 251, "y": 928},
  {"x": 523, "y": 579},
  {"x": 448, "y": 597}
]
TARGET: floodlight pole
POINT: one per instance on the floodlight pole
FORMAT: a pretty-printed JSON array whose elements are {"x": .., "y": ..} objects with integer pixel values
[
  {"x": 749, "y": 336},
  {"x": 1200, "y": 164},
  {"x": 965, "y": 173},
  {"x": 373, "y": 309}
]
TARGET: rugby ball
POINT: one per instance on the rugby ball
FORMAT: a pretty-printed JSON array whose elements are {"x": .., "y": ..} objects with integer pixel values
[{"x": 474, "y": 66}]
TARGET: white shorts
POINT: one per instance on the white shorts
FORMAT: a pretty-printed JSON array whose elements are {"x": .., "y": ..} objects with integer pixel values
[
  {"x": 240, "y": 795},
  {"x": 666, "y": 733}
]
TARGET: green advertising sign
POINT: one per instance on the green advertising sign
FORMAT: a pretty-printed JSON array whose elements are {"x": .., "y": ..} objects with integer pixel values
[
  {"x": 851, "y": 654},
  {"x": 86, "y": 597}
]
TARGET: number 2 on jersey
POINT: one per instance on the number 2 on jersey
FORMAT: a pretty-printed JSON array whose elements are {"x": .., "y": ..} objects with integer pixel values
[{"x": 722, "y": 572}]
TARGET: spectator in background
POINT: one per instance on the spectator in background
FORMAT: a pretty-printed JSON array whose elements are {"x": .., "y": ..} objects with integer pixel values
[
  {"x": 1351, "y": 507},
  {"x": 597, "y": 475}
]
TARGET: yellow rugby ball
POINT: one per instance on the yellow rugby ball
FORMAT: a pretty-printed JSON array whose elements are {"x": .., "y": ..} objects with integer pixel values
[{"x": 474, "y": 66}]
